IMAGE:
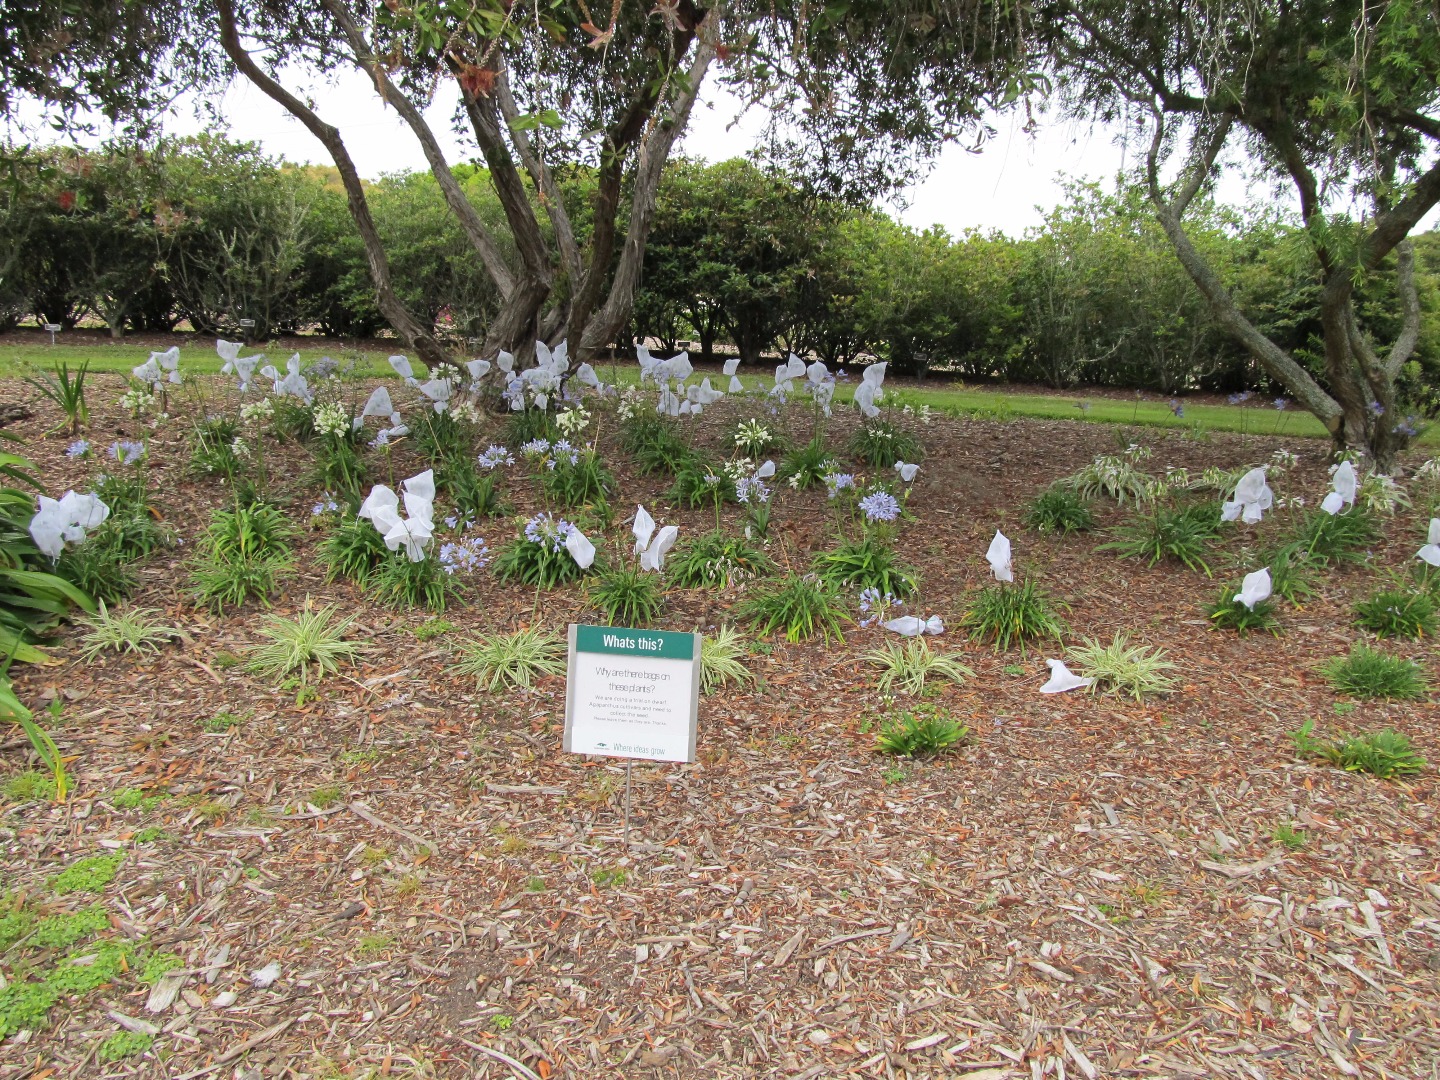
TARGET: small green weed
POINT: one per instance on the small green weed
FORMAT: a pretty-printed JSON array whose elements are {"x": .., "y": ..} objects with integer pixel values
[
  {"x": 158, "y": 965},
  {"x": 1386, "y": 754},
  {"x": 326, "y": 796},
  {"x": 88, "y": 875},
  {"x": 135, "y": 799},
  {"x": 370, "y": 944},
  {"x": 611, "y": 878},
  {"x": 921, "y": 732},
  {"x": 431, "y": 629},
  {"x": 30, "y": 786},
  {"x": 221, "y": 723},
  {"x": 1289, "y": 837},
  {"x": 124, "y": 1044}
]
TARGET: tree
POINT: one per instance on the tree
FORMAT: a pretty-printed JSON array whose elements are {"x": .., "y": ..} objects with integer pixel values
[{"x": 1339, "y": 99}]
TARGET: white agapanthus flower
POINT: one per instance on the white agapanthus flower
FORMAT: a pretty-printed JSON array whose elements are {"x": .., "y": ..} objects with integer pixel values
[
  {"x": 998, "y": 556},
  {"x": 1254, "y": 589},
  {"x": 65, "y": 520},
  {"x": 650, "y": 545},
  {"x": 1062, "y": 679},
  {"x": 871, "y": 390},
  {"x": 914, "y": 626},
  {"x": 1430, "y": 553},
  {"x": 415, "y": 531},
  {"x": 1343, "y": 485},
  {"x": 1252, "y": 498}
]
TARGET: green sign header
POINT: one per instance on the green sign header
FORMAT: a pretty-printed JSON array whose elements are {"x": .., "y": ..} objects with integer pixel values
[{"x": 620, "y": 641}]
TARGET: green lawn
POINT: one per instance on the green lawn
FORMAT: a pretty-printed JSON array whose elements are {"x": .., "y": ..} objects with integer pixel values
[{"x": 1259, "y": 419}]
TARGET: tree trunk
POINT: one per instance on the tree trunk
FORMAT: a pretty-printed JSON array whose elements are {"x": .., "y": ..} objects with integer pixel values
[{"x": 416, "y": 337}]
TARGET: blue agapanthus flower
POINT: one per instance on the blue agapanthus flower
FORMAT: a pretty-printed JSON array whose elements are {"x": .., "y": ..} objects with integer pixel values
[
  {"x": 548, "y": 531},
  {"x": 838, "y": 482},
  {"x": 327, "y": 505},
  {"x": 127, "y": 453},
  {"x": 535, "y": 448},
  {"x": 494, "y": 457},
  {"x": 880, "y": 506},
  {"x": 465, "y": 556},
  {"x": 749, "y": 488},
  {"x": 78, "y": 448}
]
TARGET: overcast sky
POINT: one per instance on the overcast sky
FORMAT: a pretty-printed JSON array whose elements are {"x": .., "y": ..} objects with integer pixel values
[{"x": 1009, "y": 186}]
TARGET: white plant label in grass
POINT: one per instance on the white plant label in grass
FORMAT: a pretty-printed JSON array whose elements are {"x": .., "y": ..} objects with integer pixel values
[{"x": 632, "y": 693}]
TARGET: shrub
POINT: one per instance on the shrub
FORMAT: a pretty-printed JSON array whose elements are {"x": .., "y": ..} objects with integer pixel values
[
  {"x": 473, "y": 492},
  {"x": 132, "y": 631},
  {"x": 1367, "y": 673},
  {"x": 1181, "y": 534},
  {"x": 654, "y": 442},
  {"x": 242, "y": 555},
  {"x": 1059, "y": 510},
  {"x": 312, "y": 642},
  {"x": 222, "y": 583},
  {"x": 402, "y": 583},
  {"x": 721, "y": 654},
  {"x": 627, "y": 596},
  {"x": 714, "y": 560},
  {"x": 869, "y": 562},
  {"x": 538, "y": 556},
  {"x": 800, "y": 606},
  {"x": 806, "y": 465},
  {"x": 1290, "y": 574},
  {"x": 1393, "y": 613},
  {"x": 1009, "y": 614},
  {"x": 1230, "y": 614},
  {"x": 443, "y": 437},
  {"x": 256, "y": 529},
  {"x": 1339, "y": 537},
  {"x": 66, "y": 392},
  {"x": 700, "y": 482},
  {"x": 353, "y": 551},
  {"x": 880, "y": 444},
  {"x": 527, "y": 425},
  {"x": 338, "y": 464},
  {"x": 212, "y": 447},
  {"x": 909, "y": 664},
  {"x": 1122, "y": 668},
  {"x": 577, "y": 481},
  {"x": 1386, "y": 754},
  {"x": 917, "y": 732},
  {"x": 507, "y": 661},
  {"x": 99, "y": 567}
]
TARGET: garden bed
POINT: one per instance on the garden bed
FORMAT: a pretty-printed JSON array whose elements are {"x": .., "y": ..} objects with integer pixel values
[{"x": 1127, "y": 888}]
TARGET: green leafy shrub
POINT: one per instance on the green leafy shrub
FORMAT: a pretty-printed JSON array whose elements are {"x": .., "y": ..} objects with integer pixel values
[
  {"x": 1230, "y": 614},
  {"x": 626, "y": 596},
  {"x": 99, "y": 568},
  {"x": 880, "y": 443},
  {"x": 1393, "y": 613},
  {"x": 868, "y": 562},
  {"x": 701, "y": 482},
  {"x": 1340, "y": 537},
  {"x": 517, "y": 659},
  {"x": 1123, "y": 668},
  {"x": 474, "y": 493},
  {"x": 714, "y": 560},
  {"x": 1009, "y": 614},
  {"x": 654, "y": 442},
  {"x": 582, "y": 481},
  {"x": 1291, "y": 574},
  {"x": 222, "y": 583},
  {"x": 1368, "y": 673},
  {"x": 444, "y": 437},
  {"x": 1117, "y": 477},
  {"x": 1386, "y": 754},
  {"x": 66, "y": 391},
  {"x": 401, "y": 583},
  {"x": 353, "y": 551},
  {"x": 921, "y": 732},
  {"x": 538, "y": 556},
  {"x": 909, "y": 665},
  {"x": 1182, "y": 534},
  {"x": 802, "y": 607},
  {"x": 721, "y": 660},
  {"x": 527, "y": 425},
  {"x": 807, "y": 464},
  {"x": 212, "y": 447},
  {"x": 1059, "y": 510}
]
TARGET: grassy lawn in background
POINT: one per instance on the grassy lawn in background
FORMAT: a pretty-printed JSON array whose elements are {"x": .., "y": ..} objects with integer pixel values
[{"x": 953, "y": 399}]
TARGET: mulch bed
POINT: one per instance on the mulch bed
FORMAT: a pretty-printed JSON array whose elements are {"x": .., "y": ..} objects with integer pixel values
[{"x": 1090, "y": 889}]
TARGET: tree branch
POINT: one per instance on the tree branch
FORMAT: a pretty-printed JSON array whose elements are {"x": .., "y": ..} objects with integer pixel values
[
  {"x": 475, "y": 231},
  {"x": 395, "y": 312}
]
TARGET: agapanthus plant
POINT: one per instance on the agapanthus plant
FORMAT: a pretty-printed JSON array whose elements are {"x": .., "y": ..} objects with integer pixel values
[{"x": 549, "y": 551}]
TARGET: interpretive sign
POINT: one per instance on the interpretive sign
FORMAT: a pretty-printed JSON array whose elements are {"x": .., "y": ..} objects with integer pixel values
[{"x": 632, "y": 693}]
